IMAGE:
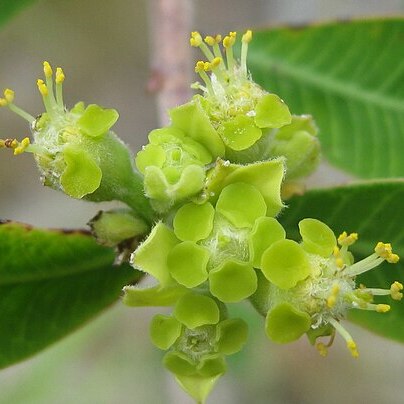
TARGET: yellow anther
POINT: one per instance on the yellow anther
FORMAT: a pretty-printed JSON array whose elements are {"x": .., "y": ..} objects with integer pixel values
[
  {"x": 229, "y": 41},
  {"x": 199, "y": 67},
  {"x": 47, "y": 69},
  {"x": 393, "y": 259},
  {"x": 207, "y": 66},
  {"x": 216, "y": 62},
  {"x": 352, "y": 347},
  {"x": 346, "y": 240},
  {"x": 395, "y": 290},
  {"x": 332, "y": 298},
  {"x": 218, "y": 38},
  {"x": 322, "y": 349},
  {"x": 3, "y": 102},
  {"x": 42, "y": 87},
  {"x": 339, "y": 262},
  {"x": 195, "y": 39},
  {"x": 9, "y": 95},
  {"x": 22, "y": 146},
  {"x": 331, "y": 301},
  {"x": 382, "y": 308},
  {"x": 336, "y": 251},
  {"x": 233, "y": 34},
  {"x": 383, "y": 249},
  {"x": 60, "y": 76},
  {"x": 9, "y": 143},
  {"x": 247, "y": 37},
  {"x": 210, "y": 40}
]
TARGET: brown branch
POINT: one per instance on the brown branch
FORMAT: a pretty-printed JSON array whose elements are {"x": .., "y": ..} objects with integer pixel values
[{"x": 171, "y": 55}]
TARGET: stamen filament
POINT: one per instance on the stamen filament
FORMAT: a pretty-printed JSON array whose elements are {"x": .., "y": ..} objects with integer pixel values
[
  {"x": 200, "y": 68},
  {"x": 364, "y": 265},
  {"x": 228, "y": 43},
  {"x": 25, "y": 115},
  {"x": 60, "y": 78},
  {"x": 350, "y": 343},
  {"x": 375, "y": 291},
  {"x": 43, "y": 89},
  {"x": 246, "y": 39}
]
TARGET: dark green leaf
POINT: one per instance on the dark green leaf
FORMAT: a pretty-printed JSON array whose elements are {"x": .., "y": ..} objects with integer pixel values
[
  {"x": 10, "y": 7},
  {"x": 51, "y": 282},
  {"x": 350, "y": 77},
  {"x": 375, "y": 211}
]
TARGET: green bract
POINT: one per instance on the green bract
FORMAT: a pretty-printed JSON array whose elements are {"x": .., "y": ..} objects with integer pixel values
[
  {"x": 284, "y": 263},
  {"x": 284, "y": 323},
  {"x": 115, "y": 226},
  {"x": 298, "y": 143}
]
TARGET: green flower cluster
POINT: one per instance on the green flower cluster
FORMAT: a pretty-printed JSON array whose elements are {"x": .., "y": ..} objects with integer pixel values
[
  {"x": 75, "y": 150},
  {"x": 198, "y": 336},
  {"x": 234, "y": 119},
  {"x": 202, "y": 214},
  {"x": 309, "y": 287}
]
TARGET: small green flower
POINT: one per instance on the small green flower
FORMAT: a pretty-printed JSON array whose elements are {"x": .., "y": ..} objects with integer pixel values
[
  {"x": 228, "y": 235},
  {"x": 240, "y": 110},
  {"x": 198, "y": 338},
  {"x": 75, "y": 150},
  {"x": 254, "y": 125},
  {"x": 311, "y": 285},
  {"x": 173, "y": 165}
]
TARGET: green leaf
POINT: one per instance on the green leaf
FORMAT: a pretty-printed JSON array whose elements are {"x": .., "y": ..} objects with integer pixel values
[
  {"x": 350, "y": 77},
  {"x": 51, "y": 282},
  {"x": 375, "y": 211},
  {"x": 8, "y": 8}
]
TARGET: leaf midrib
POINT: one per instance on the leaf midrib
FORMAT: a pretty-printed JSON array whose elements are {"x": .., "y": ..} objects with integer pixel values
[{"x": 326, "y": 83}]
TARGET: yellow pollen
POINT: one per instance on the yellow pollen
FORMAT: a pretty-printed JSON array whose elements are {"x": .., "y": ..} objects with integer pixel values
[
  {"x": 47, "y": 69},
  {"x": 352, "y": 347},
  {"x": 395, "y": 290},
  {"x": 346, "y": 240},
  {"x": 210, "y": 40},
  {"x": 207, "y": 66},
  {"x": 3, "y": 102},
  {"x": 339, "y": 262},
  {"x": 332, "y": 298},
  {"x": 9, "y": 95},
  {"x": 60, "y": 76},
  {"x": 383, "y": 249},
  {"x": 42, "y": 87},
  {"x": 199, "y": 67},
  {"x": 382, "y": 308},
  {"x": 229, "y": 41},
  {"x": 322, "y": 349},
  {"x": 195, "y": 39},
  {"x": 22, "y": 146},
  {"x": 393, "y": 259},
  {"x": 216, "y": 62},
  {"x": 247, "y": 37}
]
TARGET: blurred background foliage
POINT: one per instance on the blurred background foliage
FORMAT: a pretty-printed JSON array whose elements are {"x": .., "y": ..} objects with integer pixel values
[{"x": 104, "y": 48}]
